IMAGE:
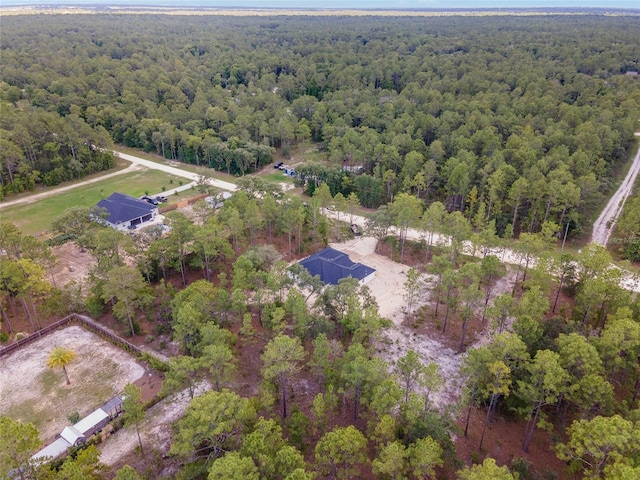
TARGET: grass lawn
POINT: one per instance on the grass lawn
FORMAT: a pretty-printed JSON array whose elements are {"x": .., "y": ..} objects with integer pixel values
[
  {"x": 37, "y": 217},
  {"x": 277, "y": 177}
]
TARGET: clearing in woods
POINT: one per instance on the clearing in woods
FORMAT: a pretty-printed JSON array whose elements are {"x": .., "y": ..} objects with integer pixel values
[{"x": 32, "y": 392}]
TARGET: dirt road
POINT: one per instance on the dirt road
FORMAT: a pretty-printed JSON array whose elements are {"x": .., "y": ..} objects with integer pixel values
[
  {"x": 178, "y": 172},
  {"x": 51, "y": 193},
  {"x": 137, "y": 163},
  {"x": 603, "y": 226},
  {"x": 629, "y": 281}
]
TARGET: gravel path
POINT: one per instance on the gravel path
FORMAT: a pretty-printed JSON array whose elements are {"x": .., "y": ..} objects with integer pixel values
[
  {"x": 605, "y": 223},
  {"x": 629, "y": 281},
  {"x": 178, "y": 172}
]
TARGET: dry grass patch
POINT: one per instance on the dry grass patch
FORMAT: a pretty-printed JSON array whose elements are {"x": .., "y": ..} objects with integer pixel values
[{"x": 32, "y": 392}]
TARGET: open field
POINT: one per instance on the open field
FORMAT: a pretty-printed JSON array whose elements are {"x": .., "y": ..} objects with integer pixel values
[
  {"x": 307, "y": 12},
  {"x": 36, "y": 217},
  {"x": 32, "y": 392}
]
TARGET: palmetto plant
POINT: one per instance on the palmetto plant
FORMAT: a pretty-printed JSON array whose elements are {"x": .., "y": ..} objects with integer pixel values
[{"x": 60, "y": 357}]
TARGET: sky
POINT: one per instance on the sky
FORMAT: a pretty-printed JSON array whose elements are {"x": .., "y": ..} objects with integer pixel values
[{"x": 360, "y": 4}]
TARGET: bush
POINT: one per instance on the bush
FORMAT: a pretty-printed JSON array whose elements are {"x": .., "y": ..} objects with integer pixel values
[
  {"x": 59, "y": 240},
  {"x": 522, "y": 466},
  {"x": 631, "y": 251},
  {"x": 73, "y": 417},
  {"x": 154, "y": 362},
  {"x": 94, "y": 306},
  {"x": 298, "y": 426},
  {"x": 3, "y": 337}
]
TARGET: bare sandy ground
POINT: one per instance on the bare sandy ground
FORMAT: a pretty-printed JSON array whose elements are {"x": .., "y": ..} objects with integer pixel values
[
  {"x": 155, "y": 429},
  {"x": 32, "y": 392},
  {"x": 387, "y": 286},
  {"x": 72, "y": 264}
]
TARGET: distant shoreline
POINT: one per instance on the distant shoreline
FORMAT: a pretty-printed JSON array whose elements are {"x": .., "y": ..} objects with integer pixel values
[{"x": 316, "y": 12}]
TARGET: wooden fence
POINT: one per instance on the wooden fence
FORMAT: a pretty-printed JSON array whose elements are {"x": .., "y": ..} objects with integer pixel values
[{"x": 85, "y": 322}]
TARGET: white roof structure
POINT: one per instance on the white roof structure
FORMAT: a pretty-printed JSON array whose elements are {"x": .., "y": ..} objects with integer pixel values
[
  {"x": 90, "y": 421},
  {"x": 72, "y": 435},
  {"x": 53, "y": 450}
]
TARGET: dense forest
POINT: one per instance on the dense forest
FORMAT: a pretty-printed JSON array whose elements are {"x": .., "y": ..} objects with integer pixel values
[
  {"x": 479, "y": 128},
  {"x": 522, "y": 119}
]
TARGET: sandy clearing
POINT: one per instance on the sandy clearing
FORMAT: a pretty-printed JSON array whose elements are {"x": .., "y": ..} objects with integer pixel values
[
  {"x": 155, "y": 430},
  {"x": 72, "y": 264},
  {"x": 387, "y": 286},
  {"x": 28, "y": 388}
]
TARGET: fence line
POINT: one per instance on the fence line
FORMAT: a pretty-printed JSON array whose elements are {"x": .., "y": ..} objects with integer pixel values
[{"x": 87, "y": 323}]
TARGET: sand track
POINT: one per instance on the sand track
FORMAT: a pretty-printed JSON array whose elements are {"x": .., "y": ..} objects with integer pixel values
[{"x": 606, "y": 222}]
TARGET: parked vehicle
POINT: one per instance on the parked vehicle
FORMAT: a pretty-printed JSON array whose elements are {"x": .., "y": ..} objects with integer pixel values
[
  {"x": 278, "y": 165},
  {"x": 161, "y": 199}
]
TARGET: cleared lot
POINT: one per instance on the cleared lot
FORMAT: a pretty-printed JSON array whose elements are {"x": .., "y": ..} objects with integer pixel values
[{"x": 32, "y": 392}]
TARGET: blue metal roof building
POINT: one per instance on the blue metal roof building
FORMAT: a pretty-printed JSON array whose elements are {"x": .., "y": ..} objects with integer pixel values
[
  {"x": 126, "y": 212},
  {"x": 332, "y": 265}
]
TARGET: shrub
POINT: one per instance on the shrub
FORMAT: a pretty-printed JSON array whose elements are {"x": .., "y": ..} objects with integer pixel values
[
  {"x": 94, "y": 306},
  {"x": 522, "y": 466},
  {"x": 73, "y": 417}
]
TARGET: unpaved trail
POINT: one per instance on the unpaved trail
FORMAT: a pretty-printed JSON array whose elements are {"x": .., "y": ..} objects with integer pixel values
[
  {"x": 51, "y": 193},
  {"x": 155, "y": 429},
  {"x": 629, "y": 280},
  {"x": 178, "y": 172},
  {"x": 137, "y": 163},
  {"x": 605, "y": 223}
]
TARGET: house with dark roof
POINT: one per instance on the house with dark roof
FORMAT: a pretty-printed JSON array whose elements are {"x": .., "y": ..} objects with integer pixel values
[
  {"x": 124, "y": 212},
  {"x": 331, "y": 265}
]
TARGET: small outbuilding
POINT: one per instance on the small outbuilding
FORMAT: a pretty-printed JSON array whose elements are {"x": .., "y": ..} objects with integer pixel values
[
  {"x": 125, "y": 212},
  {"x": 113, "y": 407},
  {"x": 54, "y": 450},
  {"x": 332, "y": 265},
  {"x": 72, "y": 435},
  {"x": 92, "y": 423}
]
